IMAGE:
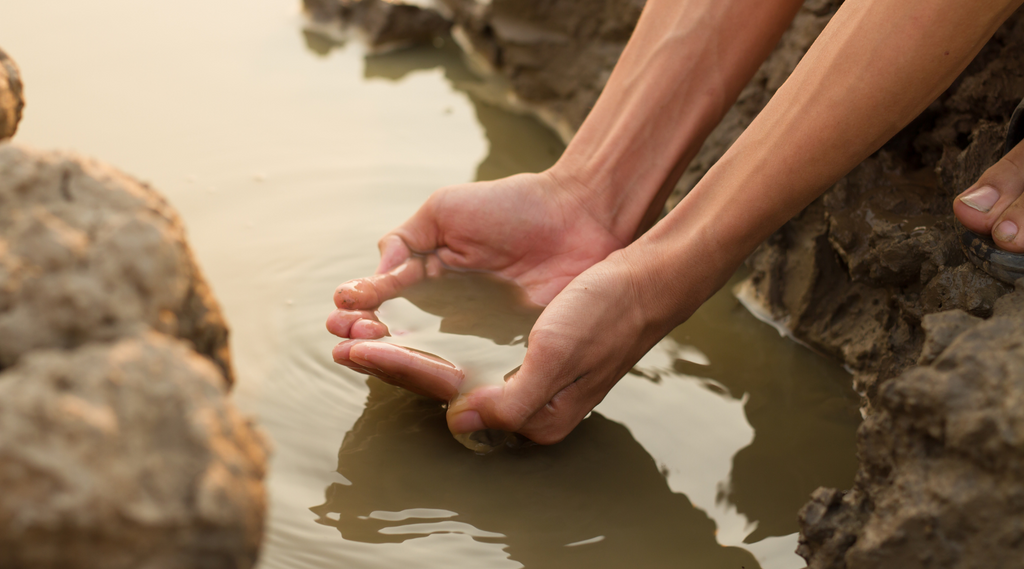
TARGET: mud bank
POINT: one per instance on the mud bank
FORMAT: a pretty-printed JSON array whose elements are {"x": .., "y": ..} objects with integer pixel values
[
  {"x": 119, "y": 445},
  {"x": 871, "y": 274}
]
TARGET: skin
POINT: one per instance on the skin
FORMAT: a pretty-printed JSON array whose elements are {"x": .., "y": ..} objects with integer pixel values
[{"x": 574, "y": 236}]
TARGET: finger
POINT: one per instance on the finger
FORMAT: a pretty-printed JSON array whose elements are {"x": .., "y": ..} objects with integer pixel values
[
  {"x": 984, "y": 206},
  {"x": 393, "y": 252},
  {"x": 416, "y": 371},
  {"x": 419, "y": 234},
  {"x": 371, "y": 292},
  {"x": 486, "y": 408},
  {"x": 341, "y": 356},
  {"x": 539, "y": 401},
  {"x": 356, "y": 324}
]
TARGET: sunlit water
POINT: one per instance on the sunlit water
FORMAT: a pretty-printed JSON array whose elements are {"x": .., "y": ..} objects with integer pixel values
[{"x": 288, "y": 157}]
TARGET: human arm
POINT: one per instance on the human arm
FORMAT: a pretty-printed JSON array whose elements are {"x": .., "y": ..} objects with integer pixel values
[
  {"x": 877, "y": 65},
  {"x": 683, "y": 68}
]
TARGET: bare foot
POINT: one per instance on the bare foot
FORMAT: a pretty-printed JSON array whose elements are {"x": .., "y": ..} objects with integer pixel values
[{"x": 994, "y": 204}]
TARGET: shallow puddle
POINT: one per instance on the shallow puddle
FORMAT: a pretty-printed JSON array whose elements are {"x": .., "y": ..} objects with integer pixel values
[{"x": 288, "y": 157}]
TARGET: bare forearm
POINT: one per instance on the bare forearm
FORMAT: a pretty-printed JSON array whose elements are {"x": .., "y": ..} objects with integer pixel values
[
  {"x": 876, "y": 66},
  {"x": 682, "y": 70}
]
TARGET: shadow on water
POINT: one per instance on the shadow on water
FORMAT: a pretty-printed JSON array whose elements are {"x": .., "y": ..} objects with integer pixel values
[
  {"x": 410, "y": 478},
  {"x": 518, "y": 143},
  {"x": 800, "y": 404}
]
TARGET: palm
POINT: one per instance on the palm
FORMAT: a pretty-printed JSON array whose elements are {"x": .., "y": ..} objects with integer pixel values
[
  {"x": 523, "y": 228},
  {"x": 520, "y": 230}
]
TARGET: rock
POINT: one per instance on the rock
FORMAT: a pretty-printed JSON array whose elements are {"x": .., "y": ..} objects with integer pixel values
[
  {"x": 940, "y": 331},
  {"x": 126, "y": 454},
  {"x": 941, "y": 483},
  {"x": 119, "y": 447},
  {"x": 388, "y": 24},
  {"x": 884, "y": 233},
  {"x": 556, "y": 56},
  {"x": 12, "y": 99},
  {"x": 88, "y": 254},
  {"x": 385, "y": 24}
]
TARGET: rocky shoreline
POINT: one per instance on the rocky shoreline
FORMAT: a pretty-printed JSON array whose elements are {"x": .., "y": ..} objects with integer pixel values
[
  {"x": 120, "y": 447},
  {"x": 870, "y": 274}
]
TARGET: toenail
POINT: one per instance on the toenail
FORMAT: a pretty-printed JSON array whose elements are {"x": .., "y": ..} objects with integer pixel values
[
  {"x": 1005, "y": 231},
  {"x": 981, "y": 199}
]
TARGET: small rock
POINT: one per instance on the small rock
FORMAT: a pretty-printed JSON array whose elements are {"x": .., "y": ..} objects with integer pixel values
[{"x": 12, "y": 99}]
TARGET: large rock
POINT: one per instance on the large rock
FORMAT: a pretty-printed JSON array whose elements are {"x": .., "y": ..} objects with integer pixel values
[
  {"x": 12, "y": 99},
  {"x": 941, "y": 481},
  {"x": 118, "y": 445},
  {"x": 88, "y": 254},
  {"x": 126, "y": 455}
]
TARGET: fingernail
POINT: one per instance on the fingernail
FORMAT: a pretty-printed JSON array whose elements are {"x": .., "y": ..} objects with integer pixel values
[
  {"x": 466, "y": 422},
  {"x": 981, "y": 199},
  {"x": 1005, "y": 231}
]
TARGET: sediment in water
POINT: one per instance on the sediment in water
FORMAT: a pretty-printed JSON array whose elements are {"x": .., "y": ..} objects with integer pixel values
[{"x": 871, "y": 273}]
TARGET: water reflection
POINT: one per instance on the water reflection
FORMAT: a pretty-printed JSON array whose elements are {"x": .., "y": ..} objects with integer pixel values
[
  {"x": 516, "y": 145},
  {"x": 724, "y": 420},
  {"x": 598, "y": 487},
  {"x": 801, "y": 407}
]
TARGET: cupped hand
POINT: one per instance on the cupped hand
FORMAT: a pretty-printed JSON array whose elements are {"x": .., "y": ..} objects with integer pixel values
[
  {"x": 531, "y": 229},
  {"x": 586, "y": 339}
]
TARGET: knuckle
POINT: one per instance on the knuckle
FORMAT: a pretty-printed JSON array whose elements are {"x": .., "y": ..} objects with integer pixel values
[{"x": 512, "y": 417}]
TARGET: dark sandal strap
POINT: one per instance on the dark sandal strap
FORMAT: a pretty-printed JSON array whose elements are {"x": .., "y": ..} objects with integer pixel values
[{"x": 1015, "y": 130}]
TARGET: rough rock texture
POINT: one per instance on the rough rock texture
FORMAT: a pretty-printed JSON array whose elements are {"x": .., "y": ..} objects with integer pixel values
[
  {"x": 88, "y": 254},
  {"x": 556, "y": 56},
  {"x": 126, "y": 454},
  {"x": 118, "y": 445},
  {"x": 941, "y": 481},
  {"x": 856, "y": 272},
  {"x": 385, "y": 24},
  {"x": 12, "y": 99}
]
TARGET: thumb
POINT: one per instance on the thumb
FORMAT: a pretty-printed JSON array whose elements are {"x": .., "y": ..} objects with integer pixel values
[{"x": 419, "y": 234}]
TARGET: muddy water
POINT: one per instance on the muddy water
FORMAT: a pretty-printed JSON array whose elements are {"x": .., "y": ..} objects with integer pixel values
[{"x": 288, "y": 156}]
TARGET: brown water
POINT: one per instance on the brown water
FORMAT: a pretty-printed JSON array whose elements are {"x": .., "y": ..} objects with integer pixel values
[{"x": 288, "y": 157}]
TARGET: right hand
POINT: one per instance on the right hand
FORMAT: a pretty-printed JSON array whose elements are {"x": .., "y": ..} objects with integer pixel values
[{"x": 532, "y": 229}]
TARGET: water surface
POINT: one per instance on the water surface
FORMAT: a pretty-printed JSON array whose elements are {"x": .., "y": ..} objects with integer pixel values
[{"x": 289, "y": 156}]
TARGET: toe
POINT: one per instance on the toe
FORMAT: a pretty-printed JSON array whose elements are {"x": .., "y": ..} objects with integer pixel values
[
  {"x": 1006, "y": 230},
  {"x": 991, "y": 205}
]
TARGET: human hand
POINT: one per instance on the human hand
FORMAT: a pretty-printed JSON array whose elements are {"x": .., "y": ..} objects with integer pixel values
[{"x": 531, "y": 229}]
